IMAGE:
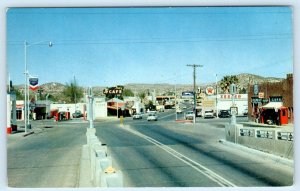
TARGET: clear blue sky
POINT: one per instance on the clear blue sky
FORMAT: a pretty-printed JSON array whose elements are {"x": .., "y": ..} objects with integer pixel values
[{"x": 115, "y": 46}]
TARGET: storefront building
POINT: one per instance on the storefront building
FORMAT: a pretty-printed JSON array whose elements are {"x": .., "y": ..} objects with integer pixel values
[{"x": 272, "y": 103}]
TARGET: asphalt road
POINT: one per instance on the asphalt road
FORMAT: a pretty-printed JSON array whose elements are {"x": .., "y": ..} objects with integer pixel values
[
  {"x": 164, "y": 153},
  {"x": 161, "y": 153},
  {"x": 48, "y": 158}
]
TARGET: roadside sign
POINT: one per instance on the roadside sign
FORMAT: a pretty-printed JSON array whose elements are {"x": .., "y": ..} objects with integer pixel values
[
  {"x": 202, "y": 95},
  {"x": 233, "y": 110},
  {"x": 261, "y": 95},
  {"x": 255, "y": 89},
  {"x": 208, "y": 103},
  {"x": 256, "y": 100},
  {"x": 210, "y": 90}
]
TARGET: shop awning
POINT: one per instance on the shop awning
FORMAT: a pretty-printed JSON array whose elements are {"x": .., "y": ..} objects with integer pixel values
[
  {"x": 115, "y": 100},
  {"x": 273, "y": 105}
]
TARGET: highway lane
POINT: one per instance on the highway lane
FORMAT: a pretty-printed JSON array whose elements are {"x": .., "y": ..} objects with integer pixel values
[
  {"x": 165, "y": 153},
  {"x": 49, "y": 158},
  {"x": 144, "y": 164}
]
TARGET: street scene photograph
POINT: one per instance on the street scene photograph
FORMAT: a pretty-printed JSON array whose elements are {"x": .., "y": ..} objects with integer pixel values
[{"x": 150, "y": 97}]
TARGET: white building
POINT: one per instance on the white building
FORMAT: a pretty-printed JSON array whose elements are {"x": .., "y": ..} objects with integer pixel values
[
  {"x": 240, "y": 101},
  {"x": 225, "y": 102}
]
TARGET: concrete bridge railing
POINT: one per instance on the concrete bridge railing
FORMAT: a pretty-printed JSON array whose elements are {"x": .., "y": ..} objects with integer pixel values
[
  {"x": 102, "y": 172},
  {"x": 271, "y": 140}
]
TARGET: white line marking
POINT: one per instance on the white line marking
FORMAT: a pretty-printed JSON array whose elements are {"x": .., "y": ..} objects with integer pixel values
[{"x": 198, "y": 167}]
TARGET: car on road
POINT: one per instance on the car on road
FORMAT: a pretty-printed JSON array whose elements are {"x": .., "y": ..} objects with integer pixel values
[
  {"x": 178, "y": 110},
  {"x": 189, "y": 115},
  {"x": 208, "y": 114},
  {"x": 152, "y": 117},
  {"x": 137, "y": 116},
  {"x": 161, "y": 110},
  {"x": 77, "y": 114},
  {"x": 224, "y": 114}
]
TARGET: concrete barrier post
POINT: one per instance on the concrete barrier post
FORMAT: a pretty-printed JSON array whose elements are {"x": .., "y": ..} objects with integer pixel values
[
  {"x": 101, "y": 165},
  {"x": 232, "y": 132},
  {"x": 114, "y": 179},
  {"x": 93, "y": 156}
]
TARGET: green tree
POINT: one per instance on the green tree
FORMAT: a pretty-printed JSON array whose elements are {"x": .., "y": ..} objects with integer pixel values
[
  {"x": 72, "y": 92},
  {"x": 142, "y": 95},
  {"x": 128, "y": 93},
  {"x": 19, "y": 95},
  {"x": 226, "y": 81}
]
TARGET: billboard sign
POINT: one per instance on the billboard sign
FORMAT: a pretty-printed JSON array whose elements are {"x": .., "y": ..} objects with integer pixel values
[
  {"x": 33, "y": 83},
  {"x": 188, "y": 93},
  {"x": 209, "y": 90}
]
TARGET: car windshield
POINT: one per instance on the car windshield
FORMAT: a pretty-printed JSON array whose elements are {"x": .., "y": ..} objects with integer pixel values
[
  {"x": 151, "y": 114},
  {"x": 190, "y": 112}
]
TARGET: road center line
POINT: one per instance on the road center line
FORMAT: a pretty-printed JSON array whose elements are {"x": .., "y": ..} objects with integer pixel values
[
  {"x": 167, "y": 115},
  {"x": 195, "y": 165}
]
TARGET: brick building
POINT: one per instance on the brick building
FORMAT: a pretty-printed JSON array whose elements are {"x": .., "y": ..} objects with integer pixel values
[{"x": 282, "y": 90}]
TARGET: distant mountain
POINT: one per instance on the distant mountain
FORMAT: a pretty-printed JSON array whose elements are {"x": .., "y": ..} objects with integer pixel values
[
  {"x": 245, "y": 79},
  {"x": 251, "y": 79},
  {"x": 53, "y": 88}
]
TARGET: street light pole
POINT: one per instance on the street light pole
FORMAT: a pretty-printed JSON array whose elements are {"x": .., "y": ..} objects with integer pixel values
[
  {"x": 25, "y": 86},
  {"x": 26, "y": 91},
  {"x": 217, "y": 96},
  {"x": 194, "y": 74}
]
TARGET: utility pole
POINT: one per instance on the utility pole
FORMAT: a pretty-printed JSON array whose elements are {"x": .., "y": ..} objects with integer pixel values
[{"x": 195, "y": 104}]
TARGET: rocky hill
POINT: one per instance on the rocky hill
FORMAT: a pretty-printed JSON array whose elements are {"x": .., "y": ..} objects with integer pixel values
[
  {"x": 250, "y": 79},
  {"x": 245, "y": 79}
]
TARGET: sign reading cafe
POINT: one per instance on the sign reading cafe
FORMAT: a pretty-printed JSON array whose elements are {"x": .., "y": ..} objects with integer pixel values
[{"x": 113, "y": 90}]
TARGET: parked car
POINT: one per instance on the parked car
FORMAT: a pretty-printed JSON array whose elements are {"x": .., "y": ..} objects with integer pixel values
[
  {"x": 77, "y": 114},
  {"x": 137, "y": 116},
  {"x": 245, "y": 112},
  {"x": 189, "y": 115},
  {"x": 208, "y": 114},
  {"x": 152, "y": 117},
  {"x": 224, "y": 114}
]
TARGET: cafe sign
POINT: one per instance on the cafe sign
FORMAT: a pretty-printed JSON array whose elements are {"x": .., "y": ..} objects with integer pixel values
[
  {"x": 113, "y": 90},
  {"x": 275, "y": 98}
]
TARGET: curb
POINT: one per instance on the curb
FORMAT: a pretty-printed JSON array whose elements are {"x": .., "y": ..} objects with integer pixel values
[
  {"x": 84, "y": 169},
  {"x": 25, "y": 135},
  {"x": 184, "y": 121},
  {"x": 276, "y": 158}
]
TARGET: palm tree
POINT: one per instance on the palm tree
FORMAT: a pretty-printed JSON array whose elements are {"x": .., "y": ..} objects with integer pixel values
[
  {"x": 226, "y": 81},
  {"x": 73, "y": 92}
]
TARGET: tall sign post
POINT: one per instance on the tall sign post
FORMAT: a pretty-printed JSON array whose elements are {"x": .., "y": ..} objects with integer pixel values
[
  {"x": 26, "y": 91},
  {"x": 91, "y": 99},
  {"x": 233, "y": 108}
]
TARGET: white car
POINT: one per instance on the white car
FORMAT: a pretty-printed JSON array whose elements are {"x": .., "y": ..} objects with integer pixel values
[
  {"x": 137, "y": 116},
  {"x": 189, "y": 115},
  {"x": 208, "y": 114},
  {"x": 152, "y": 117},
  {"x": 178, "y": 110}
]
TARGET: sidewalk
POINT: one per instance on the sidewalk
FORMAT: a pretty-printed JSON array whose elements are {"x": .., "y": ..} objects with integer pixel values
[
  {"x": 287, "y": 127},
  {"x": 84, "y": 178}
]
